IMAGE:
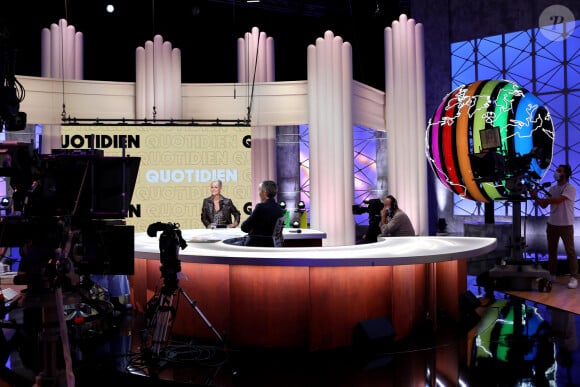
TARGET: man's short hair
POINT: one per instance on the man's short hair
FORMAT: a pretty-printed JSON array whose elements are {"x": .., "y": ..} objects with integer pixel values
[
  {"x": 270, "y": 187},
  {"x": 567, "y": 170}
]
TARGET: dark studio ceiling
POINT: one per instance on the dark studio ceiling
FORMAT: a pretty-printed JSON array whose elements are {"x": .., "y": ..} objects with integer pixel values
[{"x": 206, "y": 32}]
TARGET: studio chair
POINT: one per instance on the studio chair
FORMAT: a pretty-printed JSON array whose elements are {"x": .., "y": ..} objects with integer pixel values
[{"x": 278, "y": 236}]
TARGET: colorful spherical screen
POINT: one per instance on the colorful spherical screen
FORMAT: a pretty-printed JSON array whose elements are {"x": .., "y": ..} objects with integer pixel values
[{"x": 487, "y": 140}]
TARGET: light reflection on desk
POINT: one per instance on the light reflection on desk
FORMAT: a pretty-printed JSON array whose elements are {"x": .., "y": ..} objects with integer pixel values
[{"x": 385, "y": 252}]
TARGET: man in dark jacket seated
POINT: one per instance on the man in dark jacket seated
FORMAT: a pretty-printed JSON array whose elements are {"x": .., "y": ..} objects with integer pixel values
[{"x": 262, "y": 221}]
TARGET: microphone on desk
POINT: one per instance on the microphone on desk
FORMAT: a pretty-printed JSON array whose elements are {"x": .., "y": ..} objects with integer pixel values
[{"x": 295, "y": 231}]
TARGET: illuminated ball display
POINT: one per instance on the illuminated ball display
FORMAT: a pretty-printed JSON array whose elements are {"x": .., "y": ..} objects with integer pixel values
[{"x": 488, "y": 139}]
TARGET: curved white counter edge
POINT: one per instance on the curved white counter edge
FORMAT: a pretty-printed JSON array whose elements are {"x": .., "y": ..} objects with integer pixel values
[{"x": 385, "y": 252}]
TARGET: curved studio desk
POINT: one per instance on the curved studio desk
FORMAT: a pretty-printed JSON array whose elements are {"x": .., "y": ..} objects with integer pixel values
[{"x": 307, "y": 297}]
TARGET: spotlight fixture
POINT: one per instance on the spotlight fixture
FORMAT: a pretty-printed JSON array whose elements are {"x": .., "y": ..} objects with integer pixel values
[
  {"x": 15, "y": 123},
  {"x": 11, "y": 91},
  {"x": 282, "y": 204},
  {"x": 302, "y": 221},
  {"x": 10, "y": 97},
  {"x": 5, "y": 202}
]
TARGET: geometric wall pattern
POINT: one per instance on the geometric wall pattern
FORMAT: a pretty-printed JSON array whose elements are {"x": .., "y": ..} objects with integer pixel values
[{"x": 366, "y": 185}]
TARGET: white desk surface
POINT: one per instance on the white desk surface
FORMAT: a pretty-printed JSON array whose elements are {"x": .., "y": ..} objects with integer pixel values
[
  {"x": 220, "y": 234},
  {"x": 206, "y": 246}
]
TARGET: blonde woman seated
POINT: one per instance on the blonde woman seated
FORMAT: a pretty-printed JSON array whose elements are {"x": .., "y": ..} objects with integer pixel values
[{"x": 218, "y": 211}]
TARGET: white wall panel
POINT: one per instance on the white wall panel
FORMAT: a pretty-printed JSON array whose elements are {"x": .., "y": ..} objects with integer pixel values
[{"x": 275, "y": 103}]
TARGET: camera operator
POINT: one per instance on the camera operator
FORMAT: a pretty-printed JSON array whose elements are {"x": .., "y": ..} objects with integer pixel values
[
  {"x": 561, "y": 221},
  {"x": 394, "y": 221}
]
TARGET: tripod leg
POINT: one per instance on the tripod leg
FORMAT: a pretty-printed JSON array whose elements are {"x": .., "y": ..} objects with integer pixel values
[
  {"x": 162, "y": 322},
  {"x": 54, "y": 333},
  {"x": 200, "y": 313}
]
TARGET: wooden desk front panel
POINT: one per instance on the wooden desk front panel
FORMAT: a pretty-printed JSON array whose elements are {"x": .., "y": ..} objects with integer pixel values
[
  {"x": 341, "y": 297},
  {"x": 300, "y": 306},
  {"x": 269, "y": 306}
]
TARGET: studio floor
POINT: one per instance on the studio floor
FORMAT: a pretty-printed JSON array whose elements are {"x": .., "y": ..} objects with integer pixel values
[{"x": 489, "y": 348}]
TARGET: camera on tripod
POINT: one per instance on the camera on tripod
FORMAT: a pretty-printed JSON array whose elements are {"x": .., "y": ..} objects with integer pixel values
[
  {"x": 161, "y": 310},
  {"x": 170, "y": 241}
]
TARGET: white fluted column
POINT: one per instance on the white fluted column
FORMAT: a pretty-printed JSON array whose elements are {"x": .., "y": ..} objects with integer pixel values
[
  {"x": 61, "y": 51},
  {"x": 331, "y": 139},
  {"x": 61, "y": 57},
  {"x": 158, "y": 81},
  {"x": 405, "y": 119},
  {"x": 256, "y": 64}
]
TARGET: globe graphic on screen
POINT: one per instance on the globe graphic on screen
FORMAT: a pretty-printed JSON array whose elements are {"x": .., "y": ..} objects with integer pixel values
[{"x": 489, "y": 140}]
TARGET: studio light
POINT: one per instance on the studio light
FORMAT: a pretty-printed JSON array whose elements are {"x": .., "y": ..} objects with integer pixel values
[
  {"x": 5, "y": 202},
  {"x": 300, "y": 213},
  {"x": 11, "y": 92},
  {"x": 282, "y": 204},
  {"x": 14, "y": 123},
  {"x": 10, "y": 116}
]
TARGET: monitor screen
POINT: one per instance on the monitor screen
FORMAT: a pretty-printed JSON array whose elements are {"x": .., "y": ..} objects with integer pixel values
[
  {"x": 490, "y": 138},
  {"x": 90, "y": 186}
]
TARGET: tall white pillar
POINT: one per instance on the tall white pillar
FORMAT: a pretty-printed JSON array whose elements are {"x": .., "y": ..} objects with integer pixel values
[
  {"x": 331, "y": 139},
  {"x": 256, "y": 64},
  {"x": 405, "y": 119}
]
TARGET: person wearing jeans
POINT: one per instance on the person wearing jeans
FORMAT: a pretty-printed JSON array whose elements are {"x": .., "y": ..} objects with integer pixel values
[{"x": 561, "y": 221}]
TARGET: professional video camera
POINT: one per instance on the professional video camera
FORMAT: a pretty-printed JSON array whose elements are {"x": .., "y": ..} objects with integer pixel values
[
  {"x": 514, "y": 172},
  {"x": 68, "y": 208},
  {"x": 373, "y": 207},
  {"x": 170, "y": 241}
]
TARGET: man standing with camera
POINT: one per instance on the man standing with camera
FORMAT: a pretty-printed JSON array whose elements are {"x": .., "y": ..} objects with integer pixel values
[{"x": 561, "y": 221}]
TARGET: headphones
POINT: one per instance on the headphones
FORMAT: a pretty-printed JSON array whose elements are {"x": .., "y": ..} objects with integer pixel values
[{"x": 394, "y": 204}]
